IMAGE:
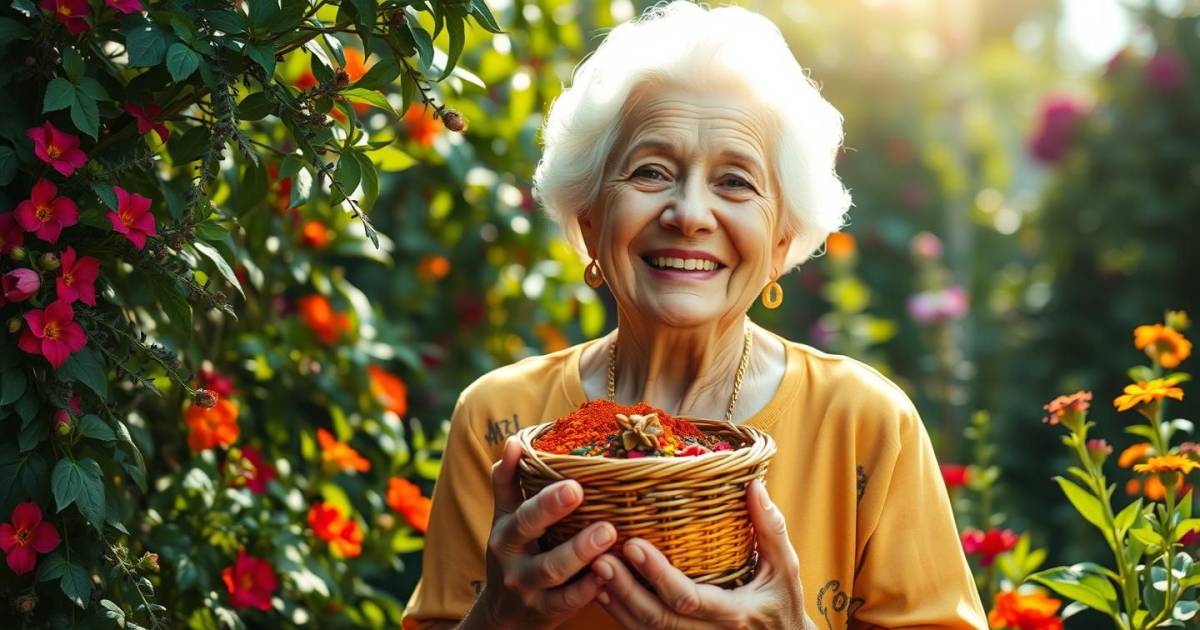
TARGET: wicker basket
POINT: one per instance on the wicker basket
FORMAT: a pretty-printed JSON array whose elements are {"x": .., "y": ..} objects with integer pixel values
[{"x": 691, "y": 508}]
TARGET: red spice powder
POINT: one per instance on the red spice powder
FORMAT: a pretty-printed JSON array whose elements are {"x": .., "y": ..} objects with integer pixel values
[{"x": 595, "y": 420}]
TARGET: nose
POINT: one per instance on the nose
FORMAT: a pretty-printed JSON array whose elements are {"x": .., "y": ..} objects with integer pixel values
[{"x": 690, "y": 211}]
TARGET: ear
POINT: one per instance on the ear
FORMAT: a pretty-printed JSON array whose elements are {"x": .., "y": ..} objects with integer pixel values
[
  {"x": 779, "y": 251},
  {"x": 590, "y": 230}
]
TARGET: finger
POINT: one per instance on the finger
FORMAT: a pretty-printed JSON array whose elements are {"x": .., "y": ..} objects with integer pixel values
[
  {"x": 556, "y": 566},
  {"x": 770, "y": 530},
  {"x": 570, "y": 598},
  {"x": 617, "y": 609},
  {"x": 506, "y": 489},
  {"x": 675, "y": 589},
  {"x": 539, "y": 512},
  {"x": 645, "y": 608}
]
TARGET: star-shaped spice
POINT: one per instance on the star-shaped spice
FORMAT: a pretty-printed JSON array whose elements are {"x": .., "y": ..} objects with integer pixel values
[{"x": 639, "y": 430}]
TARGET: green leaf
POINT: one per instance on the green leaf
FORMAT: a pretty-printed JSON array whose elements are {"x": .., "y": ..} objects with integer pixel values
[
  {"x": 145, "y": 41},
  {"x": 211, "y": 231},
  {"x": 91, "y": 426},
  {"x": 51, "y": 567},
  {"x": 261, "y": 11},
  {"x": 130, "y": 458},
  {"x": 1141, "y": 430},
  {"x": 1087, "y": 504},
  {"x": 23, "y": 476},
  {"x": 27, "y": 405},
  {"x": 1124, "y": 519},
  {"x": 256, "y": 106},
  {"x": 1141, "y": 373},
  {"x": 92, "y": 88},
  {"x": 370, "y": 97},
  {"x": 484, "y": 16},
  {"x": 1084, "y": 583},
  {"x": 76, "y": 585},
  {"x": 380, "y": 75},
  {"x": 12, "y": 385},
  {"x": 8, "y": 165},
  {"x": 181, "y": 61},
  {"x": 1147, "y": 535},
  {"x": 264, "y": 55},
  {"x": 347, "y": 177},
  {"x": 392, "y": 160},
  {"x": 12, "y": 30},
  {"x": 80, "y": 482},
  {"x": 189, "y": 145},
  {"x": 174, "y": 306},
  {"x": 455, "y": 27},
  {"x": 86, "y": 366},
  {"x": 370, "y": 179},
  {"x": 424, "y": 44},
  {"x": 229, "y": 22},
  {"x": 222, "y": 266},
  {"x": 33, "y": 431},
  {"x": 72, "y": 63},
  {"x": 60, "y": 94},
  {"x": 85, "y": 114}
]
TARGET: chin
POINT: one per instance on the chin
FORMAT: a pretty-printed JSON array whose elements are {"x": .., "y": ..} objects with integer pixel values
[{"x": 681, "y": 311}]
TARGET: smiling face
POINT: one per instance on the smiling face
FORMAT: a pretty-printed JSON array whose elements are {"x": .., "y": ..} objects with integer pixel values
[{"x": 687, "y": 224}]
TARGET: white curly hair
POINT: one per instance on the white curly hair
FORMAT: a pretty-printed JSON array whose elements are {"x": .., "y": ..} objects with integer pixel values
[{"x": 683, "y": 43}]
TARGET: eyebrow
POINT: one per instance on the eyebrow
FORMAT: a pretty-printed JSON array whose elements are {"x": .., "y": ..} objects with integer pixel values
[{"x": 658, "y": 145}]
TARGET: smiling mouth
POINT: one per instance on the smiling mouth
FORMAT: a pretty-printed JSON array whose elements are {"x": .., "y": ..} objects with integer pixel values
[{"x": 669, "y": 263}]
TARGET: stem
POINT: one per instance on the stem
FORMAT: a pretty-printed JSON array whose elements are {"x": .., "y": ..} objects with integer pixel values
[{"x": 1100, "y": 488}]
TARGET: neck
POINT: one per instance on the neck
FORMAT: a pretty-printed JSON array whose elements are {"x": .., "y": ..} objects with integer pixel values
[{"x": 686, "y": 371}]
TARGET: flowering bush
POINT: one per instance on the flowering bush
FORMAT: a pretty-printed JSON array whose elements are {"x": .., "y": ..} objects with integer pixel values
[{"x": 1153, "y": 578}]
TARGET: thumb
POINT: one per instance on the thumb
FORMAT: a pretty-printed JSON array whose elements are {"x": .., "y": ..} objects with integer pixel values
[
  {"x": 506, "y": 488},
  {"x": 770, "y": 529}
]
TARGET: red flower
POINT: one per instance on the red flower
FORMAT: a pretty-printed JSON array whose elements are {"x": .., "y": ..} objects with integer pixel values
[
  {"x": 250, "y": 581},
  {"x": 133, "y": 217},
  {"x": 216, "y": 382},
  {"x": 26, "y": 537},
  {"x": 59, "y": 150},
  {"x": 45, "y": 213},
  {"x": 11, "y": 234},
  {"x": 405, "y": 497},
  {"x": 989, "y": 545},
  {"x": 342, "y": 533},
  {"x": 19, "y": 285},
  {"x": 1058, "y": 118},
  {"x": 1166, "y": 71},
  {"x": 262, "y": 472},
  {"x": 52, "y": 333},
  {"x": 955, "y": 475},
  {"x": 127, "y": 6},
  {"x": 318, "y": 314},
  {"x": 423, "y": 126},
  {"x": 388, "y": 389},
  {"x": 70, "y": 12},
  {"x": 78, "y": 279},
  {"x": 146, "y": 117}
]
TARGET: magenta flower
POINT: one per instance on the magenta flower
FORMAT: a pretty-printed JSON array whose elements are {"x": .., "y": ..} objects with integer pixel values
[
  {"x": 52, "y": 333},
  {"x": 72, "y": 14},
  {"x": 147, "y": 117},
  {"x": 11, "y": 234},
  {"x": 19, "y": 285},
  {"x": 1166, "y": 71},
  {"x": 45, "y": 213},
  {"x": 27, "y": 536},
  {"x": 1057, "y": 122},
  {"x": 78, "y": 279},
  {"x": 935, "y": 307},
  {"x": 63, "y": 417},
  {"x": 125, "y": 6},
  {"x": 56, "y": 148},
  {"x": 133, "y": 217}
]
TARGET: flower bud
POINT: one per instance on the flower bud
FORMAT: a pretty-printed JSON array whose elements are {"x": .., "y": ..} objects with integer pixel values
[
  {"x": 26, "y": 603},
  {"x": 49, "y": 261},
  {"x": 1099, "y": 450},
  {"x": 204, "y": 398},
  {"x": 62, "y": 423},
  {"x": 385, "y": 522},
  {"x": 454, "y": 121},
  {"x": 20, "y": 284},
  {"x": 18, "y": 254},
  {"x": 148, "y": 562},
  {"x": 14, "y": 325},
  {"x": 341, "y": 79},
  {"x": 1178, "y": 320}
]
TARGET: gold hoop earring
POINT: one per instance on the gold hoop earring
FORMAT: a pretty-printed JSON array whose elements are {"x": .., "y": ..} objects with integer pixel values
[
  {"x": 772, "y": 295},
  {"x": 592, "y": 275}
]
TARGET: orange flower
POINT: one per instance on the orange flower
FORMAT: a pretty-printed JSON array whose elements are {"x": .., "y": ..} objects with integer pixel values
[
  {"x": 433, "y": 267},
  {"x": 552, "y": 338},
  {"x": 314, "y": 234},
  {"x": 1074, "y": 404},
  {"x": 1165, "y": 345},
  {"x": 1030, "y": 611},
  {"x": 215, "y": 426},
  {"x": 319, "y": 316},
  {"x": 1152, "y": 487},
  {"x": 423, "y": 126},
  {"x": 389, "y": 390},
  {"x": 1167, "y": 464},
  {"x": 1149, "y": 393},
  {"x": 339, "y": 455},
  {"x": 840, "y": 245},
  {"x": 1134, "y": 454},
  {"x": 342, "y": 533},
  {"x": 405, "y": 497}
]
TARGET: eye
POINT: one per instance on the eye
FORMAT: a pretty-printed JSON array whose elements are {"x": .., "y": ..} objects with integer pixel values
[
  {"x": 740, "y": 183},
  {"x": 649, "y": 172}
]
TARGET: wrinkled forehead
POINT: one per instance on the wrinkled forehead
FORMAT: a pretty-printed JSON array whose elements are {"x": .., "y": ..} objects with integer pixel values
[{"x": 719, "y": 120}]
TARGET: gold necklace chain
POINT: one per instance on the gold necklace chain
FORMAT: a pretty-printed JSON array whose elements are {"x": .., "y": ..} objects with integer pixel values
[{"x": 737, "y": 379}]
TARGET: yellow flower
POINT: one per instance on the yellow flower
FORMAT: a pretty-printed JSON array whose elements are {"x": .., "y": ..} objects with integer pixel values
[
  {"x": 1163, "y": 344},
  {"x": 1143, "y": 392},
  {"x": 1167, "y": 464}
]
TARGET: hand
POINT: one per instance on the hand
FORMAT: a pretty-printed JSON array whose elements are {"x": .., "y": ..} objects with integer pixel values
[
  {"x": 526, "y": 588},
  {"x": 773, "y": 599}
]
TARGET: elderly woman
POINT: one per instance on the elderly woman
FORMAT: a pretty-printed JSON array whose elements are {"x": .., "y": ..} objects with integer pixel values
[{"x": 692, "y": 162}]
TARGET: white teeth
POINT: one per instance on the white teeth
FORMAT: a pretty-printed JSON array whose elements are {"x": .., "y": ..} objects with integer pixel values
[{"x": 689, "y": 264}]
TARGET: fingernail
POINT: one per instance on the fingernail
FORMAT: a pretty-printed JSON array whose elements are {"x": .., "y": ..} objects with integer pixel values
[
  {"x": 604, "y": 570},
  {"x": 603, "y": 597},
  {"x": 602, "y": 536},
  {"x": 566, "y": 495},
  {"x": 635, "y": 553}
]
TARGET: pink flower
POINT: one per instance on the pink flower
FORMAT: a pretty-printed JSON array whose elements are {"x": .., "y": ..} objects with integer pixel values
[
  {"x": 72, "y": 14},
  {"x": 126, "y": 6},
  {"x": 78, "y": 279},
  {"x": 935, "y": 307},
  {"x": 19, "y": 285},
  {"x": 133, "y": 217},
  {"x": 45, "y": 213},
  {"x": 250, "y": 581},
  {"x": 62, "y": 417},
  {"x": 926, "y": 245},
  {"x": 1166, "y": 71},
  {"x": 1057, "y": 122},
  {"x": 11, "y": 234},
  {"x": 146, "y": 117},
  {"x": 263, "y": 472},
  {"x": 52, "y": 333},
  {"x": 56, "y": 148},
  {"x": 27, "y": 536}
]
